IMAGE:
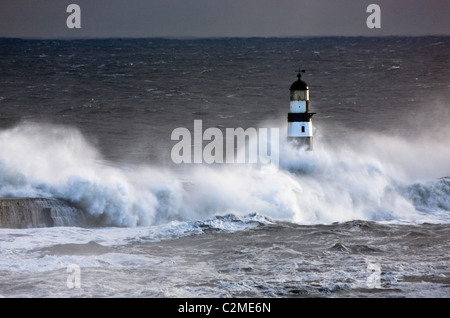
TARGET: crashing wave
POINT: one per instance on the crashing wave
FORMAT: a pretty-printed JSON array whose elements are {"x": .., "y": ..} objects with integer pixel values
[{"x": 381, "y": 182}]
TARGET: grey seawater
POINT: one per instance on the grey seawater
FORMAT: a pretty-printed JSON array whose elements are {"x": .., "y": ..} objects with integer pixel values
[
  {"x": 366, "y": 214},
  {"x": 351, "y": 259},
  {"x": 127, "y": 96}
]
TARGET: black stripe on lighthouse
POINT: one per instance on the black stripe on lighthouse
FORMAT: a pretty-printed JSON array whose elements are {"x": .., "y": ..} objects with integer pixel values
[{"x": 299, "y": 117}]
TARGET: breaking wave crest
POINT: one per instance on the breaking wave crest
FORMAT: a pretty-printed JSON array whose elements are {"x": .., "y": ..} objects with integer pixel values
[{"x": 374, "y": 178}]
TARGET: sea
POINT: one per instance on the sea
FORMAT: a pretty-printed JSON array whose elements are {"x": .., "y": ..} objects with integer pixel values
[{"x": 365, "y": 214}]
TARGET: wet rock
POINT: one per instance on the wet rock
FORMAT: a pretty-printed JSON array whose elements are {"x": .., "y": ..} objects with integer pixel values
[{"x": 38, "y": 212}]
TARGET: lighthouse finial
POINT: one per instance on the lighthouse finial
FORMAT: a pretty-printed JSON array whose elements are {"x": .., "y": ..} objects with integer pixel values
[{"x": 300, "y": 71}]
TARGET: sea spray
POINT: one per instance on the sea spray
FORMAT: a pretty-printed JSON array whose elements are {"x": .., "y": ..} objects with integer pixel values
[{"x": 330, "y": 184}]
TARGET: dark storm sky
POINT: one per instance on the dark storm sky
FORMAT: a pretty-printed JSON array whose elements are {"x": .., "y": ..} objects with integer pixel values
[{"x": 218, "y": 18}]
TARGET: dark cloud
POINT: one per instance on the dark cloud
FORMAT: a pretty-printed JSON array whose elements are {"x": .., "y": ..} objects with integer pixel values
[{"x": 217, "y": 18}]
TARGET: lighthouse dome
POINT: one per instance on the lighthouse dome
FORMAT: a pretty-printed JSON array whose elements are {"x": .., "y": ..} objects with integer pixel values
[{"x": 299, "y": 85}]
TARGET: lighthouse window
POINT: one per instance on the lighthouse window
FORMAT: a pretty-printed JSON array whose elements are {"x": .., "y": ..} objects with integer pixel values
[
  {"x": 303, "y": 128},
  {"x": 299, "y": 95},
  {"x": 302, "y": 95}
]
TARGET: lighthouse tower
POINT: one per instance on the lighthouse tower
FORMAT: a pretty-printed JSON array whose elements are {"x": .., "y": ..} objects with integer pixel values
[{"x": 300, "y": 130}]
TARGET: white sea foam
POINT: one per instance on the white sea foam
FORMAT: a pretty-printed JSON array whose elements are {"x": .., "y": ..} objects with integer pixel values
[{"x": 373, "y": 177}]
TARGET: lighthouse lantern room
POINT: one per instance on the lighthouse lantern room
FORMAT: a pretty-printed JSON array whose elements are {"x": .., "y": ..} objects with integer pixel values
[{"x": 300, "y": 130}]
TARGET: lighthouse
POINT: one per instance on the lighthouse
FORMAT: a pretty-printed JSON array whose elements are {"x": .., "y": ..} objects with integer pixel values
[{"x": 299, "y": 130}]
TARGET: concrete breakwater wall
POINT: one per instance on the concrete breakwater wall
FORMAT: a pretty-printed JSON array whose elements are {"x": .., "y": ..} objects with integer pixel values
[{"x": 38, "y": 212}]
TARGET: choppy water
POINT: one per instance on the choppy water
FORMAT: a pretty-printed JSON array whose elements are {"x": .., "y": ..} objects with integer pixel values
[{"x": 365, "y": 214}]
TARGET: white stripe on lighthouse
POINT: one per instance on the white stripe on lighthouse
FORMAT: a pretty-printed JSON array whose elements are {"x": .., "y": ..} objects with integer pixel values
[
  {"x": 298, "y": 106},
  {"x": 300, "y": 129}
]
